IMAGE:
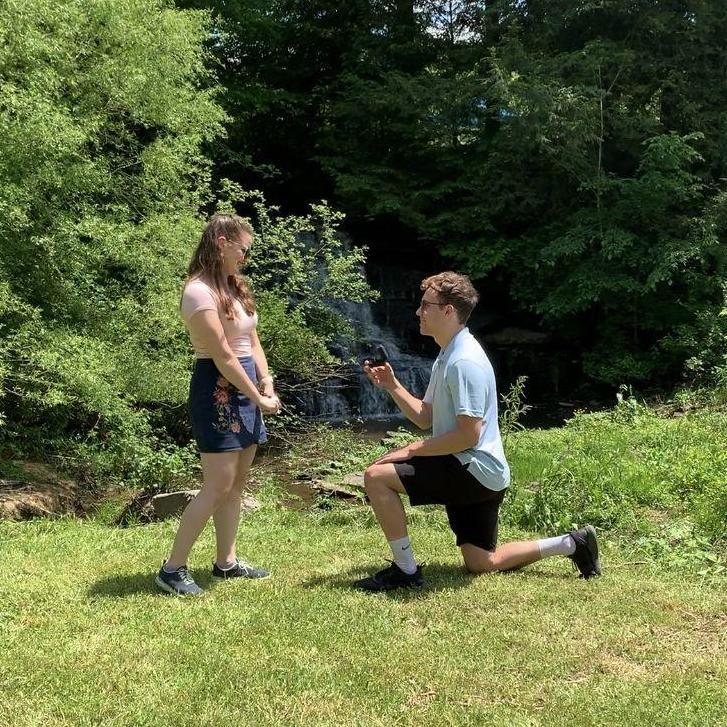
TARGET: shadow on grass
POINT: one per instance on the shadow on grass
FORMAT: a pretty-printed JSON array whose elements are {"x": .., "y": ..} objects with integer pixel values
[
  {"x": 437, "y": 577},
  {"x": 535, "y": 572},
  {"x": 138, "y": 583}
]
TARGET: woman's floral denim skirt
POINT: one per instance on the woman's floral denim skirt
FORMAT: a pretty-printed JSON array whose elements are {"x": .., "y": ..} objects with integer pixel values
[{"x": 223, "y": 419}]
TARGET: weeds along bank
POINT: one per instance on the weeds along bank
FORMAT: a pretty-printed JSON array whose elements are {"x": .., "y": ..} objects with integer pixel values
[
  {"x": 659, "y": 480},
  {"x": 656, "y": 477}
]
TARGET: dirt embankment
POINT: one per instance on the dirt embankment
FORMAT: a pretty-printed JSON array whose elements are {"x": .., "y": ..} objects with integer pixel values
[{"x": 36, "y": 489}]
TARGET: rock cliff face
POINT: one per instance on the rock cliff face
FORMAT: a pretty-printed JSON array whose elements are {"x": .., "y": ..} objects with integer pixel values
[{"x": 397, "y": 305}]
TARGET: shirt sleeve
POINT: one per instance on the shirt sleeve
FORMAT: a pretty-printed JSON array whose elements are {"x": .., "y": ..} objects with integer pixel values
[
  {"x": 467, "y": 383},
  {"x": 196, "y": 298}
]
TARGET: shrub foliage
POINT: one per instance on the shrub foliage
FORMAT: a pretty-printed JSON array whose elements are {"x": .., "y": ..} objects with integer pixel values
[{"x": 107, "y": 110}]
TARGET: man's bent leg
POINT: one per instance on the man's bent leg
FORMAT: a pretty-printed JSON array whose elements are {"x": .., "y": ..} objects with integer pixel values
[
  {"x": 476, "y": 528},
  {"x": 581, "y": 546},
  {"x": 382, "y": 487},
  {"x": 509, "y": 556}
]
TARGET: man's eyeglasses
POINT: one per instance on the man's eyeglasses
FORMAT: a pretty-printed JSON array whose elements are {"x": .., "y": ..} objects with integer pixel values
[{"x": 425, "y": 303}]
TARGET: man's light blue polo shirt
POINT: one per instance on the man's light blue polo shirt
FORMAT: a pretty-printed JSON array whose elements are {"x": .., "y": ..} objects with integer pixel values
[{"x": 463, "y": 383}]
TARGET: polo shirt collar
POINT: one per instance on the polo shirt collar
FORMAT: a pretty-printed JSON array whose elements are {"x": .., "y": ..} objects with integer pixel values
[{"x": 450, "y": 346}]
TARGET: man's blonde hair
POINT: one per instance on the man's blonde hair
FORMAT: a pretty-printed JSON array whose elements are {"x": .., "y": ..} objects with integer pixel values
[{"x": 455, "y": 289}]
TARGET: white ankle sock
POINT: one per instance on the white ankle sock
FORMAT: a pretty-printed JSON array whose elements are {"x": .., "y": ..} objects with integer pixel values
[
  {"x": 403, "y": 555},
  {"x": 559, "y": 545},
  {"x": 227, "y": 565}
]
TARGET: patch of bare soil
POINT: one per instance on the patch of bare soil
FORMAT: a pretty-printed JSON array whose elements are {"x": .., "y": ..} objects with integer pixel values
[{"x": 37, "y": 490}]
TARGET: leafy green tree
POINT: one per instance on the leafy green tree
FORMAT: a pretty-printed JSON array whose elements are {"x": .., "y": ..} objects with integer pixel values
[
  {"x": 573, "y": 152},
  {"x": 276, "y": 60},
  {"x": 107, "y": 111},
  {"x": 572, "y": 148}
]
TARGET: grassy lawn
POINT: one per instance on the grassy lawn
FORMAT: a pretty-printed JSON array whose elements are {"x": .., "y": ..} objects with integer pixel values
[{"x": 86, "y": 639}]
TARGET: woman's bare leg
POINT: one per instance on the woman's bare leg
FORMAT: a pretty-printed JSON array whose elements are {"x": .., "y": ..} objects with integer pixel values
[
  {"x": 219, "y": 471},
  {"x": 227, "y": 515}
]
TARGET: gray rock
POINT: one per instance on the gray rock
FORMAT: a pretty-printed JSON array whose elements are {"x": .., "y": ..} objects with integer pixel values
[
  {"x": 354, "y": 480},
  {"x": 170, "y": 504},
  {"x": 249, "y": 503},
  {"x": 330, "y": 489}
]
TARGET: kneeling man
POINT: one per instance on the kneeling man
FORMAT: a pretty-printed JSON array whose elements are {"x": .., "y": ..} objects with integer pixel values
[{"x": 462, "y": 466}]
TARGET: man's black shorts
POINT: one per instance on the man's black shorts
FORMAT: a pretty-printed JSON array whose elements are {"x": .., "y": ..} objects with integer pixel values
[{"x": 471, "y": 507}]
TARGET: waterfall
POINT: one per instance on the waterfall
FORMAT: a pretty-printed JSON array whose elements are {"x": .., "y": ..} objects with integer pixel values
[{"x": 353, "y": 396}]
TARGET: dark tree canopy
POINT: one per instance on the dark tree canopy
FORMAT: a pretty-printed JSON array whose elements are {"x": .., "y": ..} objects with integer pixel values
[{"x": 575, "y": 150}]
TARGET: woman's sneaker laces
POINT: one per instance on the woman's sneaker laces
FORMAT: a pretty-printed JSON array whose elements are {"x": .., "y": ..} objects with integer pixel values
[
  {"x": 178, "y": 582},
  {"x": 239, "y": 570}
]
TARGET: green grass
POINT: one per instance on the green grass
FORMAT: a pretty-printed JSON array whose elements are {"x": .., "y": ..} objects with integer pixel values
[
  {"x": 85, "y": 639},
  {"x": 628, "y": 470},
  {"x": 621, "y": 470}
]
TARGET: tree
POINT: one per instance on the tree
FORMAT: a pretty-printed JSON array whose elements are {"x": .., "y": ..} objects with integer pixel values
[
  {"x": 572, "y": 148},
  {"x": 276, "y": 60},
  {"x": 570, "y": 152},
  {"x": 107, "y": 110}
]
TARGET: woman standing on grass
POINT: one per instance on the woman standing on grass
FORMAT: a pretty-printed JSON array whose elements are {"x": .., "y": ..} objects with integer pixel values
[{"x": 230, "y": 389}]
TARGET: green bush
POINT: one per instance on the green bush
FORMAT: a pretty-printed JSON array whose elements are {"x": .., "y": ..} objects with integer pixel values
[
  {"x": 107, "y": 110},
  {"x": 622, "y": 469}
]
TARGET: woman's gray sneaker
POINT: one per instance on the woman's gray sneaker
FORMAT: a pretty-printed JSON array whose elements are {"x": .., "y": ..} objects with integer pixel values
[
  {"x": 178, "y": 582},
  {"x": 585, "y": 556},
  {"x": 239, "y": 570}
]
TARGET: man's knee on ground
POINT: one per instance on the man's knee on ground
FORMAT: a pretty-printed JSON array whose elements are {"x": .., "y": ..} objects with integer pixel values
[{"x": 478, "y": 560}]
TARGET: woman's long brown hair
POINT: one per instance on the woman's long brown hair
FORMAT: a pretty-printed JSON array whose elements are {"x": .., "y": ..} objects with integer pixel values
[{"x": 206, "y": 263}]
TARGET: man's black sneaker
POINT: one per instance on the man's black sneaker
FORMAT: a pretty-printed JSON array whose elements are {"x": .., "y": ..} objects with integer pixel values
[
  {"x": 178, "y": 582},
  {"x": 239, "y": 570},
  {"x": 585, "y": 556},
  {"x": 390, "y": 578}
]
